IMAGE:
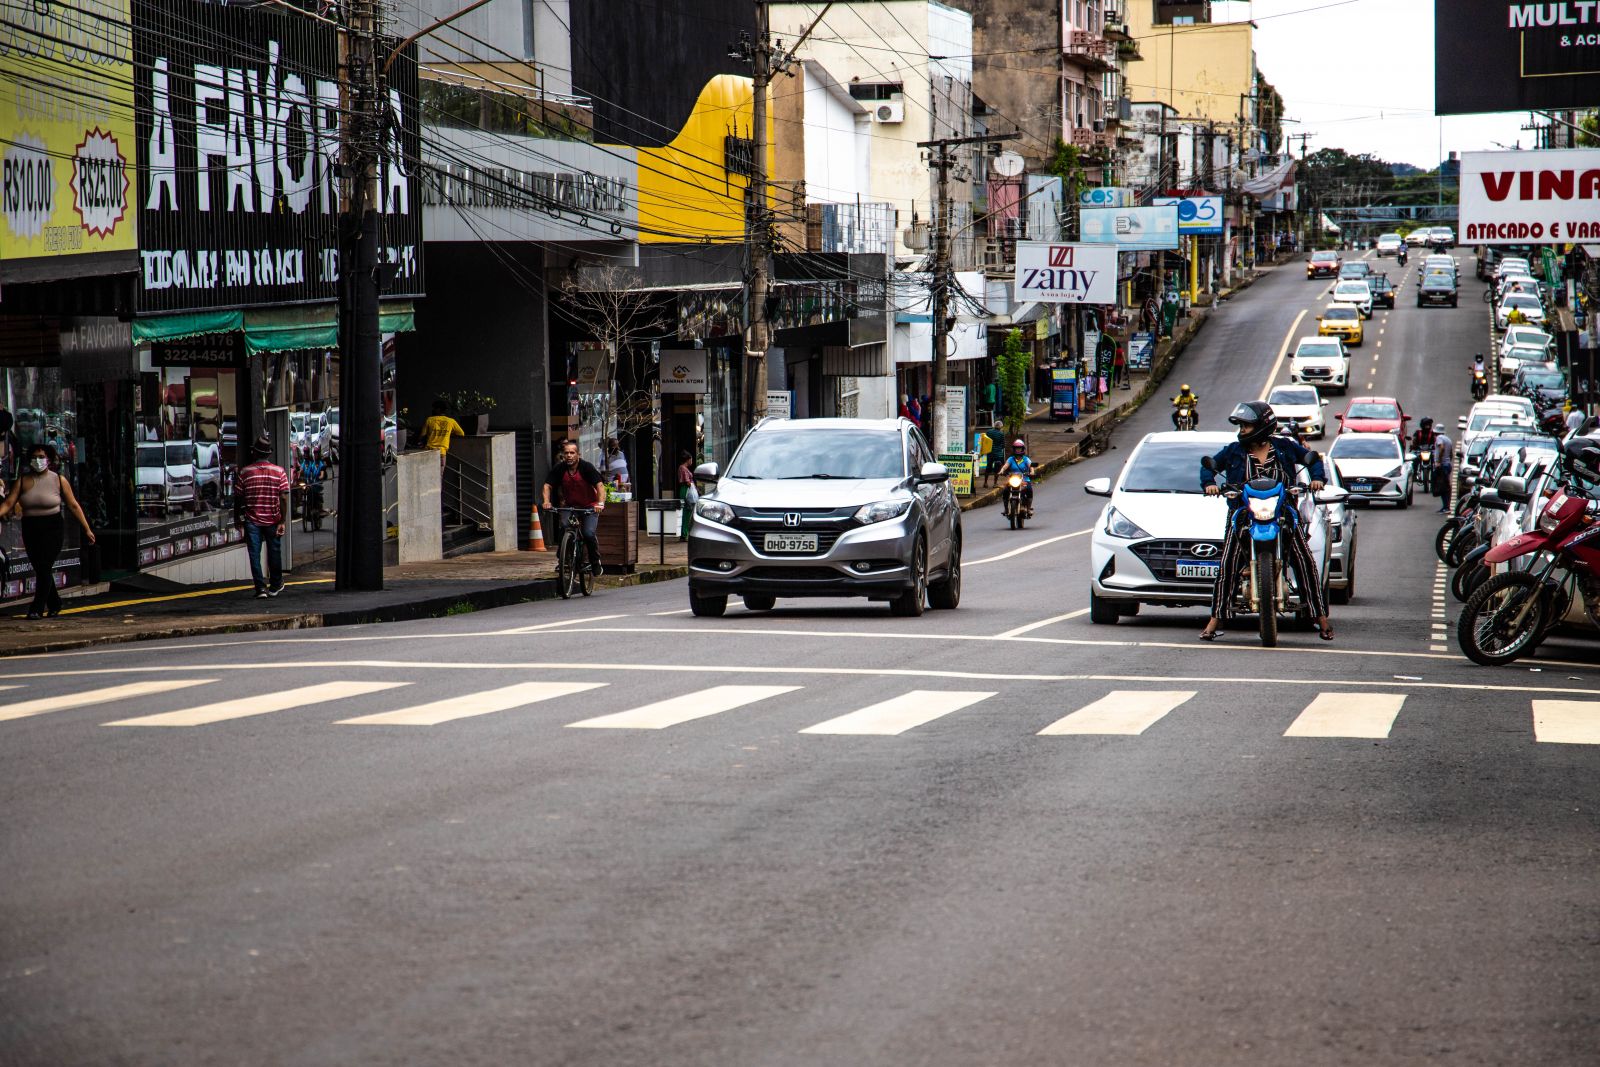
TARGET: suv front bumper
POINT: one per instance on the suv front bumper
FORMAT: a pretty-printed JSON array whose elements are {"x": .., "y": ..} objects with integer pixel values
[{"x": 870, "y": 561}]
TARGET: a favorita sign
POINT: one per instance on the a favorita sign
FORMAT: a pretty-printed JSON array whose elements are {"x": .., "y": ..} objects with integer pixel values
[
  {"x": 1065, "y": 274},
  {"x": 1530, "y": 197}
]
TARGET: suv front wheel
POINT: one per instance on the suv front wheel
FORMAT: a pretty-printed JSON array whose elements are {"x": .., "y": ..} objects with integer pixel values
[
  {"x": 946, "y": 593},
  {"x": 708, "y": 606},
  {"x": 910, "y": 604}
]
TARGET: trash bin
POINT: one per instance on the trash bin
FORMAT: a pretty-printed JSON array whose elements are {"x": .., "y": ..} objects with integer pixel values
[{"x": 663, "y": 519}]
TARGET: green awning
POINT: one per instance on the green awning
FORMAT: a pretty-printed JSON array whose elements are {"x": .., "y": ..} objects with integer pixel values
[{"x": 274, "y": 329}]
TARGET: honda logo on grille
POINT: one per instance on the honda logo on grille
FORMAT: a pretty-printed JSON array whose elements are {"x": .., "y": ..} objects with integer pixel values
[
  {"x": 1203, "y": 551},
  {"x": 791, "y": 518}
]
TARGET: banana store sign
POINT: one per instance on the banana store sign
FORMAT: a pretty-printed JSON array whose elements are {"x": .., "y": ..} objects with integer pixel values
[{"x": 67, "y": 151}]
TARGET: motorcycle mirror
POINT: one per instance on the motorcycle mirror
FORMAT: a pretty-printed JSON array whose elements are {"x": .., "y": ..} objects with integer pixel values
[
  {"x": 1513, "y": 489},
  {"x": 1209, "y": 463}
]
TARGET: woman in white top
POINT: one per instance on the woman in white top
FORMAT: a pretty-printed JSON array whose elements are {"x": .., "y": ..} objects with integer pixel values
[{"x": 40, "y": 495}]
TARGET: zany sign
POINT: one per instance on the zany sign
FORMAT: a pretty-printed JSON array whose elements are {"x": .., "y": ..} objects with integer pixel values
[
  {"x": 1065, "y": 274},
  {"x": 1530, "y": 197}
]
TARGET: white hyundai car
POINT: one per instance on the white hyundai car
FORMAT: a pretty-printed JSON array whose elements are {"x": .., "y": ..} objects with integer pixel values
[
  {"x": 1373, "y": 467},
  {"x": 1159, "y": 539},
  {"x": 1355, "y": 292},
  {"x": 1299, "y": 407}
]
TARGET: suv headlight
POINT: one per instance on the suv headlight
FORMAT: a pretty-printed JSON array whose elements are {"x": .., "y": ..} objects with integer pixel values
[
  {"x": 714, "y": 511},
  {"x": 882, "y": 511},
  {"x": 1119, "y": 525}
]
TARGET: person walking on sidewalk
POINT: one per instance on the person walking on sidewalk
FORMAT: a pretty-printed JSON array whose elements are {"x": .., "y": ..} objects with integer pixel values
[
  {"x": 264, "y": 510},
  {"x": 40, "y": 495},
  {"x": 1119, "y": 364},
  {"x": 438, "y": 429}
]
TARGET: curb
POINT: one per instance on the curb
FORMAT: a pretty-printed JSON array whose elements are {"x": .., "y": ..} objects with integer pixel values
[{"x": 430, "y": 608}]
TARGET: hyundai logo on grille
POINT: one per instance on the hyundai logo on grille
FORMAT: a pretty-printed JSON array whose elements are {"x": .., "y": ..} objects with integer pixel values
[
  {"x": 1203, "y": 551},
  {"x": 791, "y": 518}
]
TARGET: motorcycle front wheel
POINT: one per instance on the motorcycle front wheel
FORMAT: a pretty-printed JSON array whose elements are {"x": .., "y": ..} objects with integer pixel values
[
  {"x": 1464, "y": 542},
  {"x": 1489, "y": 631},
  {"x": 1266, "y": 576}
]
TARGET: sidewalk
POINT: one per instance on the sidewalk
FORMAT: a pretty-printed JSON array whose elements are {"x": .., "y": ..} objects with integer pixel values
[{"x": 413, "y": 591}]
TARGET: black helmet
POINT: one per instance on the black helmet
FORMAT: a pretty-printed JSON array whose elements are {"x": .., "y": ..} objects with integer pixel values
[
  {"x": 1427, "y": 424},
  {"x": 1256, "y": 414}
]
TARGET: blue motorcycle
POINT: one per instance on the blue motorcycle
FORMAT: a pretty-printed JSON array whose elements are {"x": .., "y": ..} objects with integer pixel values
[{"x": 1267, "y": 588}]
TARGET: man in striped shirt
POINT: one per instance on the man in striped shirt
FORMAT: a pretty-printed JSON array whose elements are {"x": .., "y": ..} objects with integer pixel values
[{"x": 263, "y": 492}]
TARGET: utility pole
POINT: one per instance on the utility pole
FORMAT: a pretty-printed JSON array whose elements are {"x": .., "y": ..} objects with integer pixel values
[
  {"x": 766, "y": 62},
  {"x": 358, "y": 556},
  {"x": 944, "y": 277}
]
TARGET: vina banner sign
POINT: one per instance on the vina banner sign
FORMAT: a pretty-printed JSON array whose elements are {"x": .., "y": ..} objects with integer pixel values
[
  {"x": 1530, "y": 197},
  {"x": 1065, "y": 274}
]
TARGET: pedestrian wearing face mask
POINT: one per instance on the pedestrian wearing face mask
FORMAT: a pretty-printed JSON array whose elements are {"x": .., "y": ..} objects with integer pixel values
[{"x": 40, "y": 494}]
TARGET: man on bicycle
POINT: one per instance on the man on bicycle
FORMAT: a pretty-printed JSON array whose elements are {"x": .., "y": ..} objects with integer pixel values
[{"x": 576, "y": 483}]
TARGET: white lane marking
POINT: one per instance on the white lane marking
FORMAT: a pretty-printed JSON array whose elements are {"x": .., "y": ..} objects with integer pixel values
[
  {"x": 1437, "y": 648},
  {"x": 690, "y": 706},
  {"x": 1024, "y": 548},
  {"x": 1283, "y": 350},
  {"x": 1020, "y": 630},
  {"x": 244, "y": 707},
  {"x": 1347, "y": 715},
  {"x": 553, "y": 625},
  {"x": 1123, "y": 711},
  {"x": 43, "y": 705},
  {"x": 1566, "y": 722},
  {"x": 899, "y": 714},
  {"x": 675, "y": 611},
  {"x": 469, "y": 704}
]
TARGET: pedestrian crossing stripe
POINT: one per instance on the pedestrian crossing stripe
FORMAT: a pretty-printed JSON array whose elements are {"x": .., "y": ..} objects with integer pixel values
[
  {"x": 686, "y": 708},
  {"x": 470, "y": 704},
  {"x": 262, "y": 704},
  {"x": 899, "y": 714},
  {"x": 130, "y": 691},
  {"x": 1369, "y": 715},
  {"x": 1125, "y": 711},
  {"x": 1567, "y": 722}
]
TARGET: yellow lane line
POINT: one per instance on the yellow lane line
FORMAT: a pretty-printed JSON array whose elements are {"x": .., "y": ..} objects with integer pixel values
[{"x": 1283, "y": 350}]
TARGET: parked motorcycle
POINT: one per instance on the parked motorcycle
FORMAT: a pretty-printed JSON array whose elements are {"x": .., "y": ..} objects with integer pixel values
[
  {"x": 1511, "y": 613},
  {"x": 1012, "y": 502}
]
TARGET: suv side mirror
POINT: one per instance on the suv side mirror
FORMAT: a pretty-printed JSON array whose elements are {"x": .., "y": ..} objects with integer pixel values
[
  {"x": 932, "y": 474},
  {"x": 706, "y": 472}
]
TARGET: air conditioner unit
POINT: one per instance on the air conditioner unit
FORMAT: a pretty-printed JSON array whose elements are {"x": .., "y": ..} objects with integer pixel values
[
  {"x": 889, "y": 111},
  {"x": 1112, "y": 15}
]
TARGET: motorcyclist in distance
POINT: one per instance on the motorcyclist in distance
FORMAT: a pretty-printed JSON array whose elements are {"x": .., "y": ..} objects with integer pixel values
[
  {"x": 1186, "y": 398},
  {"x": 1019, "y": 462}
]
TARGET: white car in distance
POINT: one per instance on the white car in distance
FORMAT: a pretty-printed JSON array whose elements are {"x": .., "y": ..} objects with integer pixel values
[
  {"x": 1373, "y": 467},
  {"x": 1531, "y": 309},
  {"x": 1299, "y": 407},
  {"x": 1521, "y": 336},
  {"x": 1355, "y": 293},
  {"x": 1321, "y": 361},
  {"x": 1389, "y": 244}
]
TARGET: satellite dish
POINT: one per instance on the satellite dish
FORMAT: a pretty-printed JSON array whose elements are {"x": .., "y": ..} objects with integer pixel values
[{"x": 1006, "y": 165}]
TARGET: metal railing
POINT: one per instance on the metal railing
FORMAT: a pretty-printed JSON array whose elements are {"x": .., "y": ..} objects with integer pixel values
[{"x": 467, "y": 492}]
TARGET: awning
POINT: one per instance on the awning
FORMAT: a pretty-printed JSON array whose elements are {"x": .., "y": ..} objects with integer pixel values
[{"x": 274, "y": 329}]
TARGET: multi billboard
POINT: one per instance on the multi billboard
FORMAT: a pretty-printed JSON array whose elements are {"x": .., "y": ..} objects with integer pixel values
[
  {"x": 1493, "y": 55},
  {"x": 1530, "y": 197},
  {"x": 67, "y": 151},
  {"x": 1196, "y": 214},
  {"x": 239, "y": 114},
  {"x": 1131, "y": 229},
  {"x": 1051, "y": 273}
]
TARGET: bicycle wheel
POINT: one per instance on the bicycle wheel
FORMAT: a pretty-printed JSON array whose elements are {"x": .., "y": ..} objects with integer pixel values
[
  {"x": 566, "y": 566},
  {"x": 585, "y": 575}
]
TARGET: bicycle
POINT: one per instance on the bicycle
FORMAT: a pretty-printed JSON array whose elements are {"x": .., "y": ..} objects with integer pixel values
[{"x": 572, "y": 573}]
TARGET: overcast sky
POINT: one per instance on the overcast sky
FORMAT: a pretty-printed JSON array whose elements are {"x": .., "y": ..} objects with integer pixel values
[{"x": 1358, "y": 75}]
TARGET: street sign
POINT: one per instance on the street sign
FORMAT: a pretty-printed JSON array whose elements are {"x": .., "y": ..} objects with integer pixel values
[
  {"x": 1196, "y": 214},
  {"x": 1065, "y": 273},
  {"x": 1535, "y": 197},
  {"x": 1131, "y": 229},
  {"x": 683, "y": 370},
  {"x": 780, "y": 403}
]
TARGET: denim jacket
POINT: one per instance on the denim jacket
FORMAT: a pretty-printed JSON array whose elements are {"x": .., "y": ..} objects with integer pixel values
[{"x": 1231, "y": 461}]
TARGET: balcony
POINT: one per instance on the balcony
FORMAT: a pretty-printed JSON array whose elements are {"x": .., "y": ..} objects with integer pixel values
[
  {"x": 1089, "y": 51},
  {"x": 1087, "y": 138}
]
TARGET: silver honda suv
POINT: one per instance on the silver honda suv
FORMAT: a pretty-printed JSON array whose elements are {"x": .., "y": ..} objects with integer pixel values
[{"x": 827, "y": 507}]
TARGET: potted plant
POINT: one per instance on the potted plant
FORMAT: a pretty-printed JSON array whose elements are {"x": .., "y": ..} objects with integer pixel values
[{"x": 472, "y": 409}]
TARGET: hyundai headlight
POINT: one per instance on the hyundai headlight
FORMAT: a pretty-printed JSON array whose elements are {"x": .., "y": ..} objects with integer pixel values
[
  {"x": 714, "y": 511},
  {"x": 883, "y": 510},
  {"x": 1119, "y": 525},
  {"x": 1397, "y": 472},
  {"x": 1264, "y": 508},
  {"x": 1335, "y": 532}
]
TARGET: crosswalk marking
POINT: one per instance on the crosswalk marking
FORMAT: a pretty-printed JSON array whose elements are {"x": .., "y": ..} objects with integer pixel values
[
  {"x": 690, "y": 706},
  {"x": 1566, "y": 722},
  {"x": 243, "y": 707},
  {"x": 470, "y": 704},
  {"x": 1347, "y": 715},
  {"x": 899, "y": 714},
  {"x": 96, "y": 696},
  {"x": 1123, "y": 711}
]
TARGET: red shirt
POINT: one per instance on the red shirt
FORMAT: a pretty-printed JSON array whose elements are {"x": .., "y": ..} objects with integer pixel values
[
  {"x": 262, "y": 485},
  {"x": 576, "y": 492}
]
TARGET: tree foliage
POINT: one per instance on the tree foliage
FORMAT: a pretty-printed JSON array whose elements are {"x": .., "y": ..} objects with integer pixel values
[{"x": 1012, "y": 372}]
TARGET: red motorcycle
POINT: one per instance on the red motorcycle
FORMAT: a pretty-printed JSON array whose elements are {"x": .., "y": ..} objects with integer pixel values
[{"x": 1511, "y": 613}]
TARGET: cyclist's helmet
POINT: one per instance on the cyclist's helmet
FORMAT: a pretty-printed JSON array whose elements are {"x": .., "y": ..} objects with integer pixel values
[{"x": 1255, "y": 421}]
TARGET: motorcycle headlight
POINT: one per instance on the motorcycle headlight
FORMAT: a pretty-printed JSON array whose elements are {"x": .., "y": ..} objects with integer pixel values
[
  {"x": 714, "y": 511},
  {"x": 882, "y": 511},
  {"x": 1119, "y": 525},
  {"x": 1015, "y": 481},
  {"x": 1264, "y": 509}
]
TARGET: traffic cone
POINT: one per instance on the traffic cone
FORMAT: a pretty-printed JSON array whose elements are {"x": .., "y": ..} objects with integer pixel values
[{"x": 537, "y": 541}]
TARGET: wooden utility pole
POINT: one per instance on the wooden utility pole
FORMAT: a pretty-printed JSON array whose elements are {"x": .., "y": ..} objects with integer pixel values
[{"x": 943, "y": 277}]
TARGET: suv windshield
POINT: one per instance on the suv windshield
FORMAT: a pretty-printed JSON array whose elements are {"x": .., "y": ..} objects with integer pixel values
[
  {"x": 1296, "y": 395},
  {"x": 1365, "y": 448},
  {"x": 1167, "y": 467},
  {"x": 1326, "y": 350},
  {"x": 149, "y": 456},
  {"x": 180, "y": 455},
  {"x": 819, "y": 454}
]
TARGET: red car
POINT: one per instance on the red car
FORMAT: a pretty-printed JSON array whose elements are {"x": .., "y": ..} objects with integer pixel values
[
  {"x": 1324, "y": 264},
  {"x": 1373, "y": 414}
]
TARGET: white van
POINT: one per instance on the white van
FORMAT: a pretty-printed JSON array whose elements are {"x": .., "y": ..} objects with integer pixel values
[{"x": 1323, "y": 362}]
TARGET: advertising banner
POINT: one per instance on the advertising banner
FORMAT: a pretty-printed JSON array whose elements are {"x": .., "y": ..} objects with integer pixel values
[
  {"x": 67, "y": 152},
  {"x": 955, "y": 417},
  {"x": 238, "y": 199},
  {"x": 1513, "y": 56},
  {"x": 1196, "y": 214},
  {"x": 1141, "y": 349},
  {"x": 1530, "y": 197},
  {"x": 683, "y": 370},
  {"x": 1109, "y": 196},
  {"x": 1131, "y": 229},
  {"x": 1064, "y": 393},
  {"x": 960, "y": 465},
  {"x": 1065, "y": 274}
]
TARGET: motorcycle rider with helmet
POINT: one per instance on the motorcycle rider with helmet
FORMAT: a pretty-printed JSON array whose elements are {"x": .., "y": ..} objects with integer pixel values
[
  {"x": 1423, "y": 440},
  {"x": 1480, "y": 373},
  {"x": 1186, "y": 398},
  {"x": 1019, "y": 462},
  {"x": 1260, "y": 453}
]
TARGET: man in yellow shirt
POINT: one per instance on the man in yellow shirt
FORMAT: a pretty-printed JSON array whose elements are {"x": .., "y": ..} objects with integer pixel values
[{"x": 438, "y": 430}]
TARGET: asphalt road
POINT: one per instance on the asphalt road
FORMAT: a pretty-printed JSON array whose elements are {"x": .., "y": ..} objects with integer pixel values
[{"x": 823, "y": 835}]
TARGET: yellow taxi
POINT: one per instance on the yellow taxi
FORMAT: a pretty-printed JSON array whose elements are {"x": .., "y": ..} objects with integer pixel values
[{"x": 1342, "y": 321}]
